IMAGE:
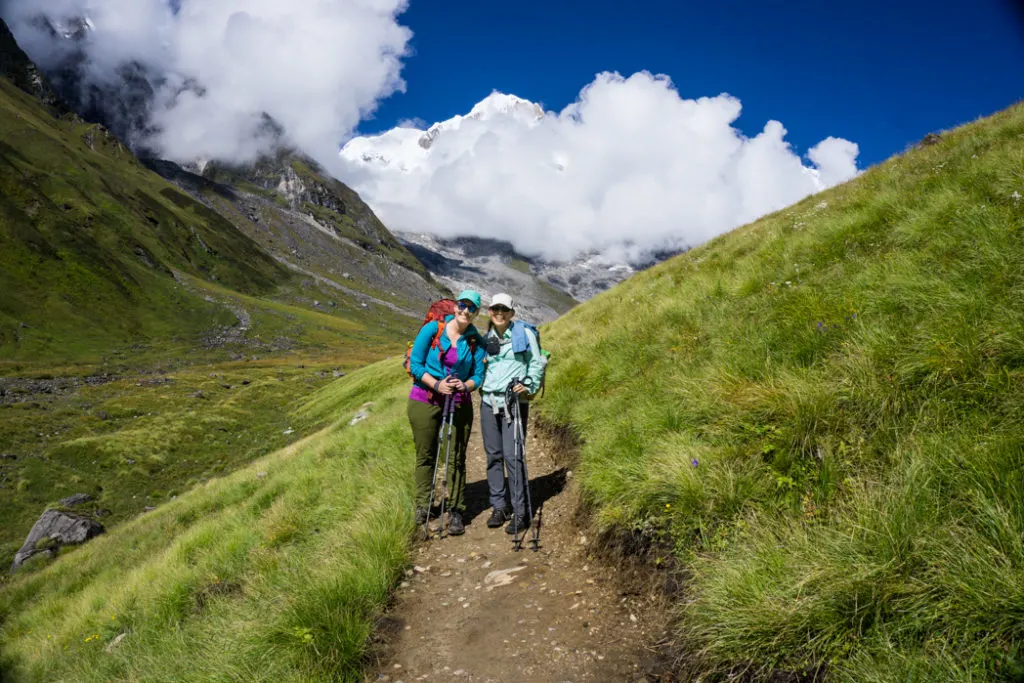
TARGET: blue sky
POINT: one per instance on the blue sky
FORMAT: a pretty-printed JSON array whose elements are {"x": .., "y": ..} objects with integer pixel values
[{"x": 879, "y": 73}]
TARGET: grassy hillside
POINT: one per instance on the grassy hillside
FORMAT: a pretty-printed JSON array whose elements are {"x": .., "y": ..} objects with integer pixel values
[
  {"x": 274, "y": 572},
  {"x": 88, "y": 239},
  {"x": 99, "y": 254},
  {"x": 146, "y": 343},
  {"x": 822, "y": 415}
]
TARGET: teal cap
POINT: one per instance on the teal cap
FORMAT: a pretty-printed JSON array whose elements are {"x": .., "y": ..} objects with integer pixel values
[{"x": 469, "y": 295}]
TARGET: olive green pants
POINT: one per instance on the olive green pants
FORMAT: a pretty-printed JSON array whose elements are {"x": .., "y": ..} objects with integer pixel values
[{"x": 425, "y": 420}]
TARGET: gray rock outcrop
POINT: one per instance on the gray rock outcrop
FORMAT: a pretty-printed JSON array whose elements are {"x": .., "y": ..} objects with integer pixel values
[
  {"x": 53, "y": 530},
  {"x": 77, "y": 499}
]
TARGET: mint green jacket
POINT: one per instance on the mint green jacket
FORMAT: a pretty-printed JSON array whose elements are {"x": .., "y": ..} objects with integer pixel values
[{"x": 507, "y": 365}]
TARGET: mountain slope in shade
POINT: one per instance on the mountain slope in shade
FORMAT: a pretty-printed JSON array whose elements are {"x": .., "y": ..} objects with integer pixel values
[
  {"x": 16, "y": 66},
  {"x": 89, "y": 240},
  {"x": 98, "y": 252},
  {"x": 300, "y": 215},
  {"x": 312, "y": 224}
]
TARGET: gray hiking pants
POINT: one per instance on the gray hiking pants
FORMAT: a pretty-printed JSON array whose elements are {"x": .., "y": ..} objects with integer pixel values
[{"x": 502, "y": 456}]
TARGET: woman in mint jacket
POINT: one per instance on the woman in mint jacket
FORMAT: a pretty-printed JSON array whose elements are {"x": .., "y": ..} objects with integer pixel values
[
  {"x": 513, "y": 353},
  {"x": 454, "y": 368}
]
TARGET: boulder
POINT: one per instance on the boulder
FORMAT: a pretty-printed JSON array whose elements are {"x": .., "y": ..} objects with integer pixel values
[
  {"x": 77, "y": 499},
  {"x": 364, "y": 412},
  {"x": 55, "y": 529}
]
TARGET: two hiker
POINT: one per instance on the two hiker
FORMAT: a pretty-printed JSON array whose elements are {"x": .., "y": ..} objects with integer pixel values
[{"x": 447, "y": 362}]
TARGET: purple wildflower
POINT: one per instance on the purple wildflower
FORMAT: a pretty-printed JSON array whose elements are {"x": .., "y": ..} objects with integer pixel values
[{"x": 695, "y": 462}]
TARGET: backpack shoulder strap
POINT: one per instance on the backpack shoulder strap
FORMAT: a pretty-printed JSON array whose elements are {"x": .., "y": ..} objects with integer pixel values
[{"x": 436, "y": 344}]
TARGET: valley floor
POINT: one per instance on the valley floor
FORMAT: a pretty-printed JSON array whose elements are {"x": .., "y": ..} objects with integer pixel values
[{"x": 472, "y": 609}]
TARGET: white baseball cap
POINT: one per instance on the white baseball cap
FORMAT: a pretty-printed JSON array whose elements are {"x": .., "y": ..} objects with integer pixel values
[{"x": 502, "y": 300}]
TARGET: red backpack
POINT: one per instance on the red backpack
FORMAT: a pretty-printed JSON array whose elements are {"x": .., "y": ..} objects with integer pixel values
[{"x": 437, "y": 312}]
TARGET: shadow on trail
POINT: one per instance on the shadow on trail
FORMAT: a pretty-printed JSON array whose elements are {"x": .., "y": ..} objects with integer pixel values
[{"x": 542, "y": 489}]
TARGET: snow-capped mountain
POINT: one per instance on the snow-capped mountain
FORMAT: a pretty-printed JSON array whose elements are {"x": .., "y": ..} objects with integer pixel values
[
  {"x": 628, "y": 170},
  {"x": 494, "y": 106},
  {"x": 469, "y": 260},
  {"x": 408, "y": 148},
  {"x": 73, "y": 28}
]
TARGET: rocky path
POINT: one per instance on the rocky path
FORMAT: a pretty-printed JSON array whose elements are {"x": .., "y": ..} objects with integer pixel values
[{"x": 472, "y": 609}]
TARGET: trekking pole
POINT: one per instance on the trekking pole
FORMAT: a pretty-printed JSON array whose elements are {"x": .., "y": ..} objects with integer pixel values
[
  {"x": 535, "y": 535},
  {"x": 514, "y": 417},
  {"x": 437, "y": 461},
  {"x": 510, "y": 398},
  {"x": 447, "y": 454}
]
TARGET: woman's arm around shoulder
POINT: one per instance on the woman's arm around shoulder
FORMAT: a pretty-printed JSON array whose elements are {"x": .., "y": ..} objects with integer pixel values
[{"x": 479, "y": 362}]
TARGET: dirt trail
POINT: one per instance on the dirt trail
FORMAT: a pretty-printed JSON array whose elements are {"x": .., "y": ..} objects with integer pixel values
[{"x": 472, "y": 609}]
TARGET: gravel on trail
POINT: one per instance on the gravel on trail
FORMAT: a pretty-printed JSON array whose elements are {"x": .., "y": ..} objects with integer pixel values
[{"x": 473, "y": 609}]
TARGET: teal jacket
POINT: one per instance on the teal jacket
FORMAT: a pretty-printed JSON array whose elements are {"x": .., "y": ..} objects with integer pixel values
[
  {"x": 508, "y": 365},
  {"x": 469, "y": 366}
]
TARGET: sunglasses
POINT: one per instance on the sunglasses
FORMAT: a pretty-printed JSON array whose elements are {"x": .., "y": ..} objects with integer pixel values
[
  {"x": 500, "y": 309},
  {"x": 463, "y": 306}
]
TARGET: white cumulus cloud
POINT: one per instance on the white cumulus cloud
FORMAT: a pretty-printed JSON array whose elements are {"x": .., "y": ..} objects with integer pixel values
[
  {"x": 315, "y": 67},
  {"x": 630, "y": 167}
]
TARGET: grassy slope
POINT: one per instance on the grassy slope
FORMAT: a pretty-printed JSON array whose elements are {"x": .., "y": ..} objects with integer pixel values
[
  {"x": 274, "y": 572},
  {"x": 88, "y": 241},
  {"x": 138, "y": 442},
  {"x": 822, "y": 414},
  {"x": 88, "y": 237}
]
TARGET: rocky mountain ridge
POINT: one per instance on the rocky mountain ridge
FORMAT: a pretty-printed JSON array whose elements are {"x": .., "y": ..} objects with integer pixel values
[
  {"x": 23, "y": 73},
  {"x": 547, "y": 285},
  {"x": 489, "y": 266}
]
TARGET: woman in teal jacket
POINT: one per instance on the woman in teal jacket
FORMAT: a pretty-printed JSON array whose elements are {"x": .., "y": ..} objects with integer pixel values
[
  {"x": 513, "y": 355},
  {"x": 454, "y": 368}
]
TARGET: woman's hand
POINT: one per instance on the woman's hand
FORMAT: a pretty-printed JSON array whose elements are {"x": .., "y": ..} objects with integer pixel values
[
  {"x": 520, "y": 389},
  {"x": 457, "y": 384},
  {"x": 444, "y": 387}
]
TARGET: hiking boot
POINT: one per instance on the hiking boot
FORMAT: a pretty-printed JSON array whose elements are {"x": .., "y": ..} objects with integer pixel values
[
  {"x": 421, "y": 515},
  {"x": 498, "y": 517},
  {"x": 455, "y": 525},
  {"x": 518, "y": 523}
]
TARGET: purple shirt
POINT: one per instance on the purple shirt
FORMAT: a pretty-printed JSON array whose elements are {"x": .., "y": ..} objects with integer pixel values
[{"x": 432, "y": 397}]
